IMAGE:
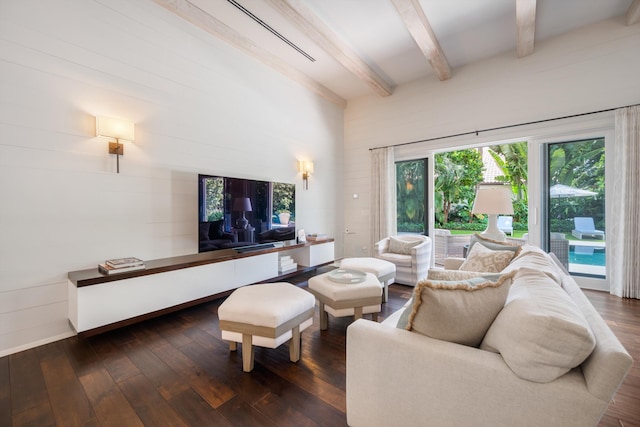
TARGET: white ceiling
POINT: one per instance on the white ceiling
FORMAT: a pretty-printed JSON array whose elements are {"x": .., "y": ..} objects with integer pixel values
[{"x": 467, "y": 31}]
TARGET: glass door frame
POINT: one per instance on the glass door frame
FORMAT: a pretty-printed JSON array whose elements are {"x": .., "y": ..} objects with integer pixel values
[{"x": 538, "y": 190}]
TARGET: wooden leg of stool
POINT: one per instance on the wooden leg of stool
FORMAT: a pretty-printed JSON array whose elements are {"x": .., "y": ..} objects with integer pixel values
[
  {"x": 374, "y": 317},
  {"x": 357, "y": 313},
  {"x": 324, "y": 321},
  {"x": 247, "y": 353},
  {"x": 294, "y": 345},
  {"x": 233, "y": 346},
  {"x": 385, "y": 292}
]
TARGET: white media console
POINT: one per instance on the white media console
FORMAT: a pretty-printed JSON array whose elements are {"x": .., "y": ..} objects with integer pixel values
[{"x": 98, "y": 302}]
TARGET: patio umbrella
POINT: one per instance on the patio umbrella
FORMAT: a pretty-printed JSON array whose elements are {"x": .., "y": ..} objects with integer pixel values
[{"x": 562, "y": 191}]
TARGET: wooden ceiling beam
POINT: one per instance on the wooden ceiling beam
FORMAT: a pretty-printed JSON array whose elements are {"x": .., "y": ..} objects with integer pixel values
[
  {"x": 418, "y": 25},
  {"x": 205, "y": 21},
  {"x": 633, "y": 13},
  {"x": 526, "y": 23},
  {"x": 311, "y": 25}
]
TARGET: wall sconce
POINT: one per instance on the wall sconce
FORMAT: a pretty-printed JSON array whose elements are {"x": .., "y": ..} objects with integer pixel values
[
  {"x": 493, "y": 200},
  {"x": 117, "y": 129},
  {"x": 306, "y": 168}
]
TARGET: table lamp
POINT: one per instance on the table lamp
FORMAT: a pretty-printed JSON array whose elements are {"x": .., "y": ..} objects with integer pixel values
[{"x": 493, "y": 199}]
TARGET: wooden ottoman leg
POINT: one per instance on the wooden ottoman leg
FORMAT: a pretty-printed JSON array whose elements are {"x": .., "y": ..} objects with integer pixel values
[
  {"x": 247, "y": 353},
  {"x": 233, "y": 346},
  {"x": 294, "y": 345},
  {"x": 385, "y": 292},
  {"x": 374, "y": 317},
  {"x": 357, "y": 313},
  {"x": 324, "y": 321}
]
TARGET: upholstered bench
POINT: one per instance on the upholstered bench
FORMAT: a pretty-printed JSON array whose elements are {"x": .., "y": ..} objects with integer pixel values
[
  {"x": 385, "y": 271},
  {"x": 266, "y": 315},
  {"x": 346, "y": 299}
]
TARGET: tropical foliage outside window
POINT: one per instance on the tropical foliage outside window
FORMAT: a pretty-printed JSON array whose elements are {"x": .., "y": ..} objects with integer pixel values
[
  {"x": 456, "y": 175},
  {"x": 411, "y": 204},
  {"x": 580, "y": 165},
  {"x": 214, "y": 198}
]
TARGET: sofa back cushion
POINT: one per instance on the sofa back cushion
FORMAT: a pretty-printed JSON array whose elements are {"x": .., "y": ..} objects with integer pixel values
[
  {"x": 535, "y": 258},
  {"x": 458, "y": 311},
  {"x": 540, "y": 333}
]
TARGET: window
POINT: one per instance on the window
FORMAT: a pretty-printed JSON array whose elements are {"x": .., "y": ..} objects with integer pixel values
[{"x": 411, "y": 195}]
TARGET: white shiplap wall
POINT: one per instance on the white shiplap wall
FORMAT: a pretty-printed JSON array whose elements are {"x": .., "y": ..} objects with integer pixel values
[
  {"x": 591, "y": 69},
  {"x": 198, "y": 105}
]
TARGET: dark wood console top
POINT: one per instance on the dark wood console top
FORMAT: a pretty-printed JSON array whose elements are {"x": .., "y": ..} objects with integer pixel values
[{"x": 92, "y": 276}]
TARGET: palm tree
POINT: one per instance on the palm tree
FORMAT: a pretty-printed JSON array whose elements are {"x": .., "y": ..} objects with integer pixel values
[{"x": 512, "y": 160}]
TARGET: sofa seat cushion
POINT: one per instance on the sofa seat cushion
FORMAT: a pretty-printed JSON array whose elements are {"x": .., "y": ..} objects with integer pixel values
[
  {"x": 456, "y": 311},
  {"x": 397, "y": 259},
  {"x": 481, "y": 258},
  {"x": 540, "y": 333}
]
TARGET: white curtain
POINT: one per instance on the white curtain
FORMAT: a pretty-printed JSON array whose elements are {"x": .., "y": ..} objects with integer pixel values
[
  {"x": 624, "y": 237},
  {"x": 383, "y": 194}
]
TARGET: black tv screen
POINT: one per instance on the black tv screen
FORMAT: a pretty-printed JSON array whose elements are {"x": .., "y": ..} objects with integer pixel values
[{"x": 237, "y": 212}]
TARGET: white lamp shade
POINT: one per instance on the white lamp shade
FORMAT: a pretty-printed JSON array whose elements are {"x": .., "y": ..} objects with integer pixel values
[
  {"x": 114, "y": 128},
  {"x": 493, "y": 199}
]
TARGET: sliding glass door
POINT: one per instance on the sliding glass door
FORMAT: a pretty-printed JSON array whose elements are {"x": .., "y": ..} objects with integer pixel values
[{"x": 574, "y": 224}]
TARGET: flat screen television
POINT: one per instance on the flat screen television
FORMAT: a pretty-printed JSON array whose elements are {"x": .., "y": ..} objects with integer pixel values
[{"x": 237, "y": 212}]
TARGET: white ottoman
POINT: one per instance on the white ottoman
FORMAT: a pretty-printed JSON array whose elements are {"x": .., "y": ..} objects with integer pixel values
[
  {"x": 385, "y": 271},
  {"x": 266, "y": 315},
  {"x": 339, "y": 299}
]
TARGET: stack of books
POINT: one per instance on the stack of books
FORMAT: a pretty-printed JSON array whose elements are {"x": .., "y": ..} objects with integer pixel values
[
  {"x": 121, "y": 265},
  {"x": 314, "y": 237},
  {"x": 286, "y": 264}
]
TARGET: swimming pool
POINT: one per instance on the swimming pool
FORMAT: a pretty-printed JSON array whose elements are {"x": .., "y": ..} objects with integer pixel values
[{"x": 587, "y": 255}]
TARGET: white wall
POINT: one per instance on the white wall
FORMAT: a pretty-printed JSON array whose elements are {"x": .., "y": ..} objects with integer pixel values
[
  {"x": 198, "y": 105},
  {"x": 591, "y": 69}
]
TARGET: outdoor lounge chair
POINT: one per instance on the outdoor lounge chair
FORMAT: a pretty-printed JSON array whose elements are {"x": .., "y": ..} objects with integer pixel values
[
  {"x": 505, "y": 224},
  {"x": 584, "y": 226}
]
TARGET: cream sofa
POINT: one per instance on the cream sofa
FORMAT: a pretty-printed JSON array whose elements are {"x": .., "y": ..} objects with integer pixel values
[
  {"x": 411, "y": 254},
  {"x": 400, "y": 377}
]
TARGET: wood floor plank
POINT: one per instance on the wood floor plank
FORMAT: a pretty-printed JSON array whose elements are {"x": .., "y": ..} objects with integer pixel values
[
  {"x": 195, "y": 411},
  {"x": 165, "y": 379},
  {"x": 70, "y": 404},
  {"x": 36, "y": 416},
  {"x": 120, "y": 367},
  {"x": 241, "y": 413},
  {"x": 5, "y": 393},
  {"x": 28, "y": 389},
  {"x": 149, "y": 405},
  {"x": 109, "y": 405},
  {"x": 211, "y": 390}
]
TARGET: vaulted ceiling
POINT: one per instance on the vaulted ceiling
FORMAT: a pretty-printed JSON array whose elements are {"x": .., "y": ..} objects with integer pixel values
[{"x": 342, "y": 49}]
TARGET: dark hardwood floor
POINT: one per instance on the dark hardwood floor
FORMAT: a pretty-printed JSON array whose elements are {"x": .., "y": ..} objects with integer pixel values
[{"x": 176, "y": 371}]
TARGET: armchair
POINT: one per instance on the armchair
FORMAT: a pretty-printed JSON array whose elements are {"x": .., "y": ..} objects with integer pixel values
[{"x": 411, "y": 254}]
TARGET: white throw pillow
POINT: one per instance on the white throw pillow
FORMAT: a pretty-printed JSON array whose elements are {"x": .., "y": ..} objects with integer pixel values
[
  {"x": 399, "y": 246},
  {"x": 457, "y": 311},
  {"x": 481, "y": 258}
]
